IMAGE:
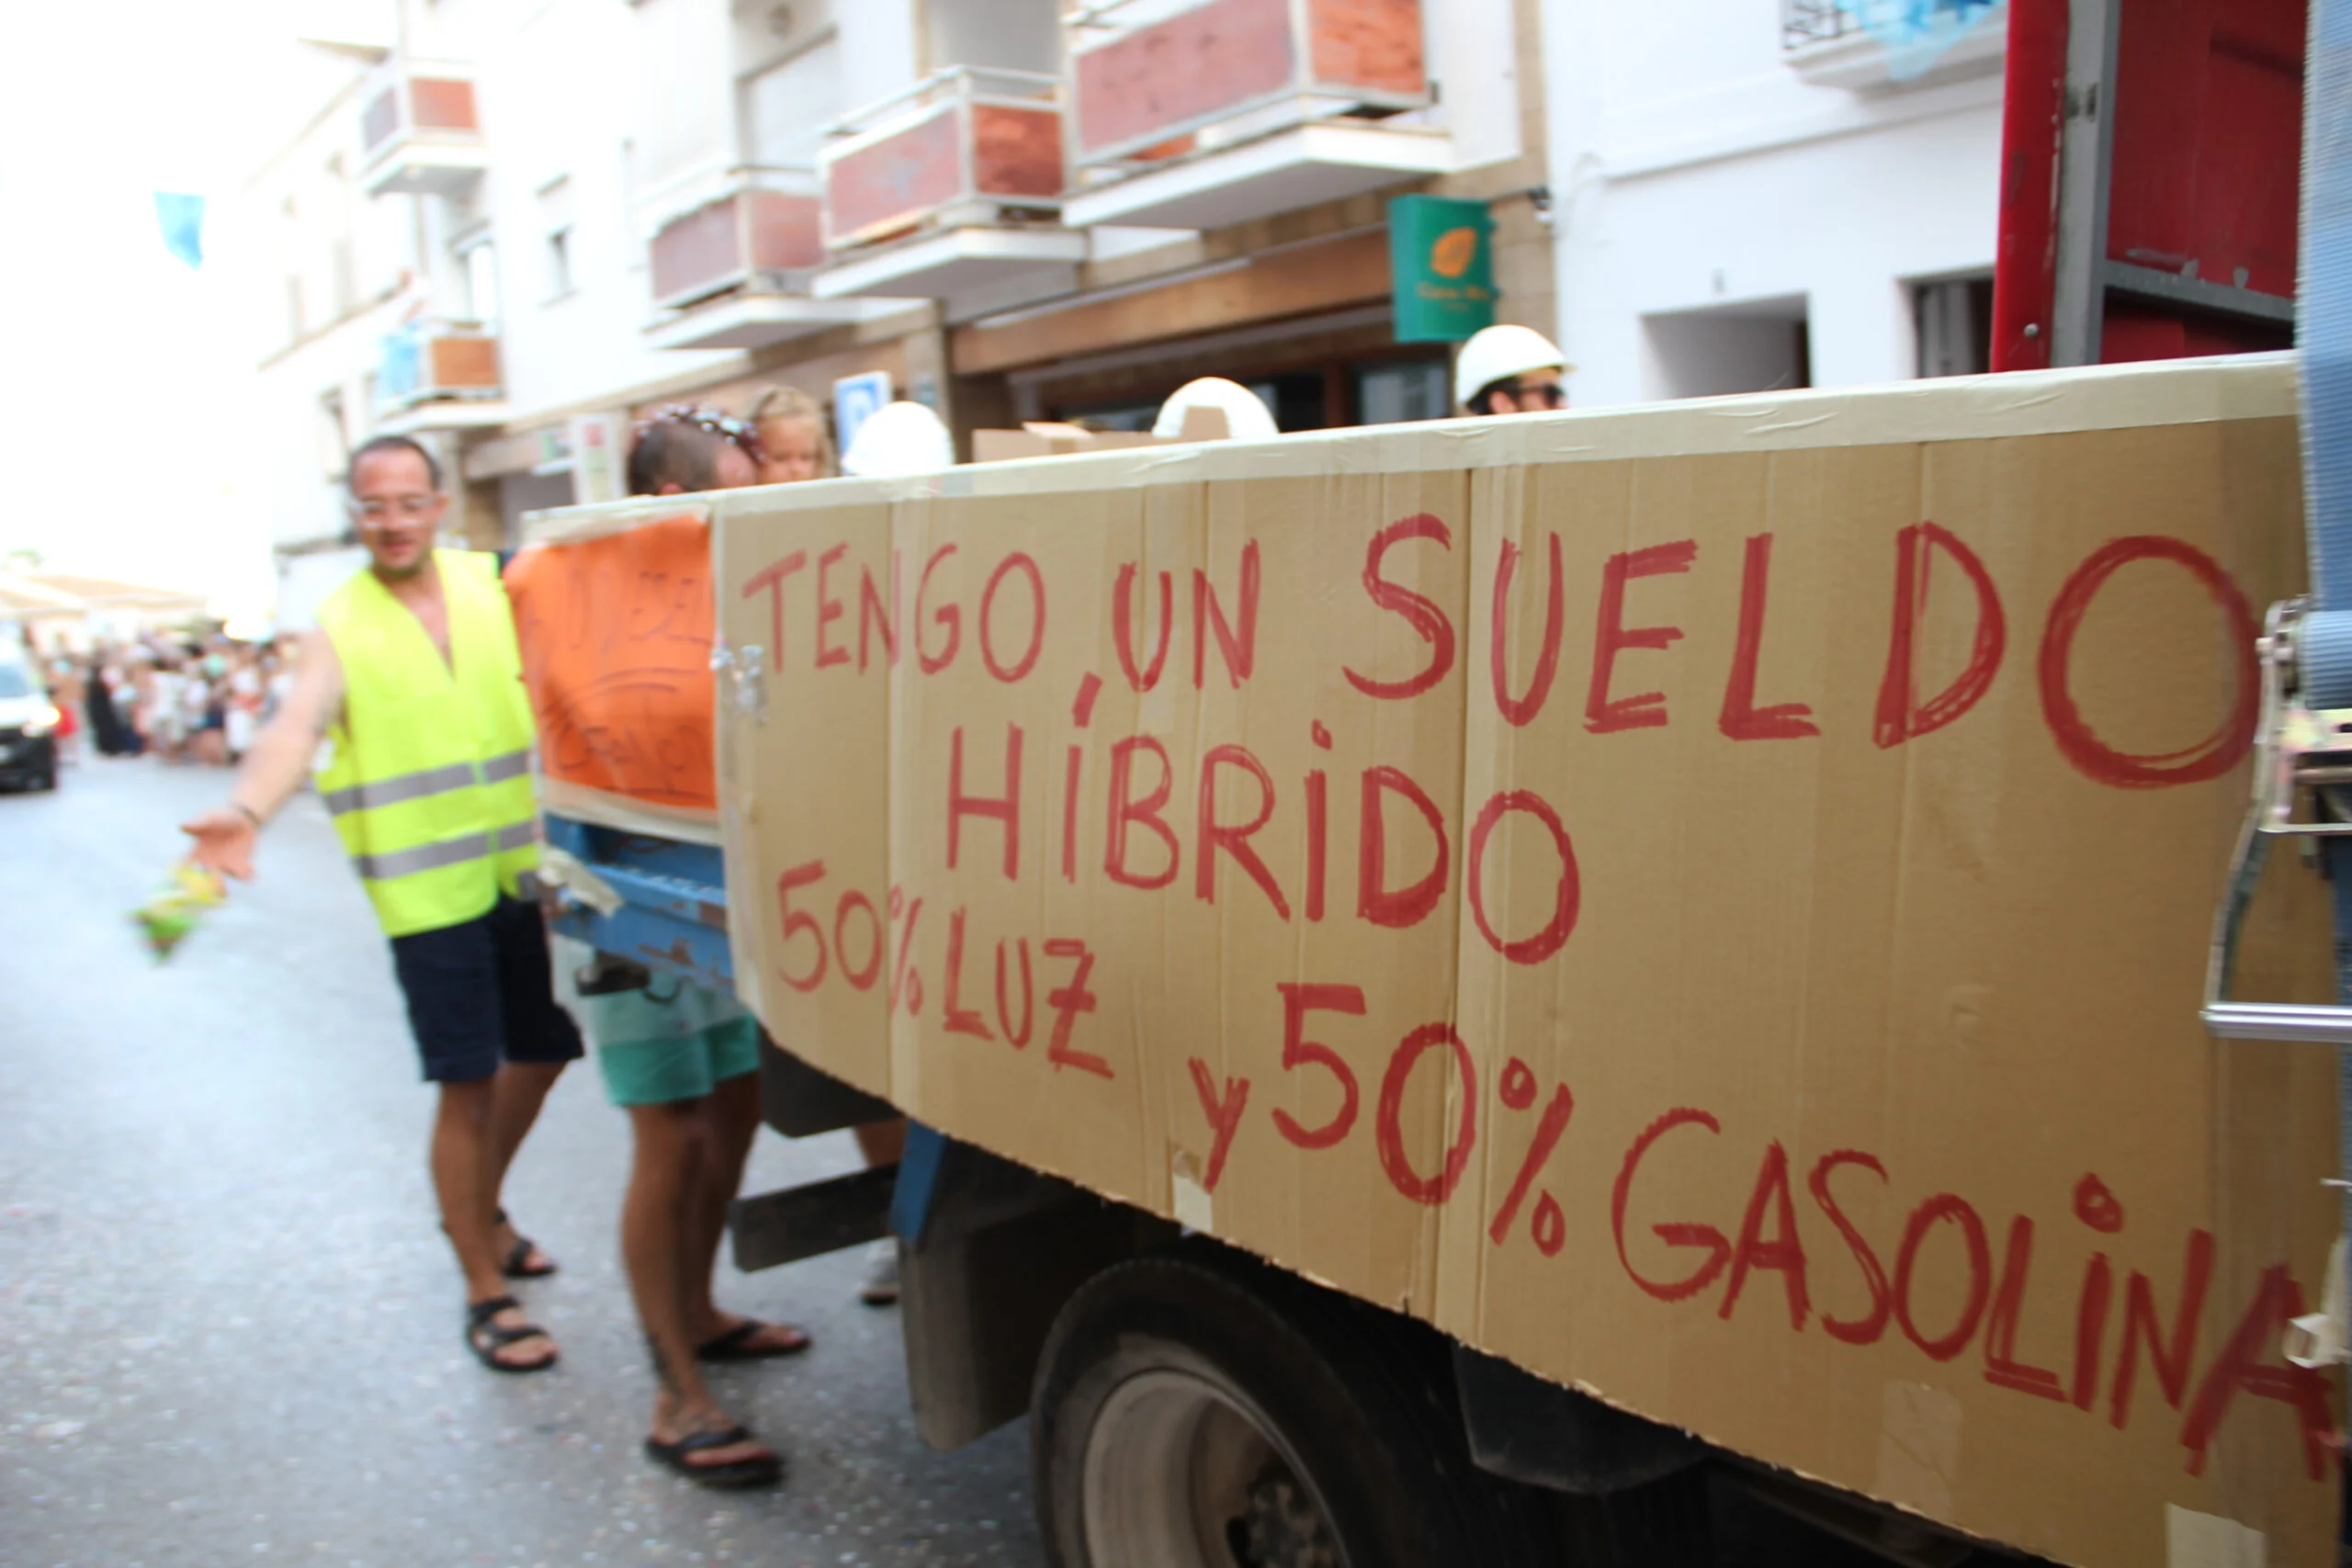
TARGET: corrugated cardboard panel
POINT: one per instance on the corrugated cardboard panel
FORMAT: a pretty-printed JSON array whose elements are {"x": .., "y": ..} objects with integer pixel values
[{"x": 1750, "y": 973}]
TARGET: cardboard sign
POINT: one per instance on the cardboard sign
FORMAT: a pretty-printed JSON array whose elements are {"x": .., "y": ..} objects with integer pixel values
[
  {"x": 614, "y": 627},
  {"x": 1707, "y": 902}
]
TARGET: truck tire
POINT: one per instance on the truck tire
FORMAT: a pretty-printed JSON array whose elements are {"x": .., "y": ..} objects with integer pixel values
[{"x": 1196, "y": 1410}]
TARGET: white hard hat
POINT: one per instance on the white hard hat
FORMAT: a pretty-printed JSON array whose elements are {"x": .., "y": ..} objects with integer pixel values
[
  {"x": 1247, "y": 418},
  {"x": 1499, "y": 353},
  {"x": 898, "y": 438}
]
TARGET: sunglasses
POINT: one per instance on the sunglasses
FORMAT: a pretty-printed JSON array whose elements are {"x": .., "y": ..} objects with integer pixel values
[
  {"x": 411, "y": 507},
  {"x": 1552, "y": 394}
]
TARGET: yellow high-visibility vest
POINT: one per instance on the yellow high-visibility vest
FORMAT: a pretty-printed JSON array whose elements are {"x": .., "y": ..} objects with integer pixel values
[{"x": 430, "y": 778}]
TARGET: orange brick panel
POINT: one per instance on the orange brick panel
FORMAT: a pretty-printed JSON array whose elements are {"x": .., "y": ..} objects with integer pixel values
[
  {"x": 698, "y": 251},
  {"x": 1220, "y": 56},
  {"x": 1016, "y": 152},
  {"x": 441, "y": 104},
  {"x": 470, "y": 362},
  {"x": 896, "y": 178},
  {"x": 1373, "y": 44},
  {"x": 787, "y": 231}
]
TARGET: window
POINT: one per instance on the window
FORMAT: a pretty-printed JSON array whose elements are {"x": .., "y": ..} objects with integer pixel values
[
  {"x": 558, "y": 263},
  {"x": 555, "y": 222},
  {"x": 786, "y": 107},
  {"x": 289, "y": 214},
  {"x": 335, "y": 435},
  {"x": 1011, "y": 35},
  {"x": 479, "y": 280},
  {"x": 341, "y": 268},
  {"x": 1759, "y": 345}
]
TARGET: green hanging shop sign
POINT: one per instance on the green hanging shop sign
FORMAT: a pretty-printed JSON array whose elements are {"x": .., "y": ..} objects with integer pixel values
[{"x": 1440, "y": 268}]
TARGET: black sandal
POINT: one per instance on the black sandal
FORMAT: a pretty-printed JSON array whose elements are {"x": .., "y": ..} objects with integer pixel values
[
  {"x": 516, "y": 1264},
  {"x": 735, "y": 1345},
  {"x": 485, "y": 1338},
  {"x": 764, "y": 1470}
]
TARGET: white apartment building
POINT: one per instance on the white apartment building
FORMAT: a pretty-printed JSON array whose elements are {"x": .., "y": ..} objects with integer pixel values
[
  {"x": 1757, "y": 193},
  {"x": 518, "y": 225}
]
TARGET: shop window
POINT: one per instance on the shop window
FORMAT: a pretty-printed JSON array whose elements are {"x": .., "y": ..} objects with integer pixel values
[
  {"x": 1301, "y": 400},
  {"x": 1398, "y": 393},
  {"x": 1113, "y": 416},
  {"x": 1322, "y": 393},
  {"x": 1759, "y": 345}
]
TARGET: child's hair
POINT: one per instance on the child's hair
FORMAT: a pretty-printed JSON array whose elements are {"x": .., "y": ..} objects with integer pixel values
[{"x": 791, "y": 403}]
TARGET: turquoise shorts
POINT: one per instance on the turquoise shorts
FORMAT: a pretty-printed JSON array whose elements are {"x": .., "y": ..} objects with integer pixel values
[{"x": 669, "y": 1043}]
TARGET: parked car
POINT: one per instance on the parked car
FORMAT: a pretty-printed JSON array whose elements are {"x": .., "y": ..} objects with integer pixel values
[{"x": 28, "y": 730}]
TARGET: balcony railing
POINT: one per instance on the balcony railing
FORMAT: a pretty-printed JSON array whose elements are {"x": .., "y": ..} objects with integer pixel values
[
  {"x": 431, "y": 359},
  {"x": 420, "y": 131},
  {"x": 1150, "y": 74},
  {"x": 766, "y": 223},
  {"x": 964, "y": 145}
]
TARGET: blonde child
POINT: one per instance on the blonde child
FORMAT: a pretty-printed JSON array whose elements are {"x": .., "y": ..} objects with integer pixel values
[{"x": 792, "y": 442}]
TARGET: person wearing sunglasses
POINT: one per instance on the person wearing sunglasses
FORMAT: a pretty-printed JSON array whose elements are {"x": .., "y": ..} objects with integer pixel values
[
  {"x": 414, "y": 680},
  {"x": 1510, "y": 369}
]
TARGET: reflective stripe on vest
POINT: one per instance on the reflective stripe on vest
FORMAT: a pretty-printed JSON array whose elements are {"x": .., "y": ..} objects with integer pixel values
[
  {"x": 448, "y": 851},
  {"x": 425, "y": 782},
  {"x": 429, "y": 781}
]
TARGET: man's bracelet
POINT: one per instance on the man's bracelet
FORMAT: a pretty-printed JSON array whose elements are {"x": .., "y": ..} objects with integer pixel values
[{"x": 249, "y": 814}]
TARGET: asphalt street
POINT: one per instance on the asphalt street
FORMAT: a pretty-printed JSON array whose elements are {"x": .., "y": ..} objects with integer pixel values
[{"x": 229, "y": 1328}]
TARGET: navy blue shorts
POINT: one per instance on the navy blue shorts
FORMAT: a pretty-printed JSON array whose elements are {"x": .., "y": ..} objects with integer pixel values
[{"x": 481, "y": 993}]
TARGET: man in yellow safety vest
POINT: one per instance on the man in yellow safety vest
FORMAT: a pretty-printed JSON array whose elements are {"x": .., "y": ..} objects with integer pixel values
[{"x": 414, "y": 680}]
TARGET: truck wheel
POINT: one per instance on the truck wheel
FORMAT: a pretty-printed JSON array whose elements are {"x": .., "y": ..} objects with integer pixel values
[{"x": 1194, "y": 1410}]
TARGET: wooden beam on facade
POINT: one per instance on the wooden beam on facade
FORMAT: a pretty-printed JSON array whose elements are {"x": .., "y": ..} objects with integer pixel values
[{"x": 1295, "y": 281}]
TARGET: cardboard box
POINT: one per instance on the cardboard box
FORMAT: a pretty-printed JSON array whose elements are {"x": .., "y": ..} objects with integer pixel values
[
  {"x": 1707, "y": 902},
  {"x": 1047, "y": 438}
]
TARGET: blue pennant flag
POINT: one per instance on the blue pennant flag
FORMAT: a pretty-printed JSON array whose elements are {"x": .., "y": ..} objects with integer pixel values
[{"x": 182, "y": 220}]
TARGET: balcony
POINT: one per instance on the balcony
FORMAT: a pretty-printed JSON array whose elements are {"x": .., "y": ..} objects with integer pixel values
[
  {"x": 731, "y": 264},
  {"x": 420, "y": 132},
  {"x": 439, "y": 375},
  {"x": 951, "y": 186},
  {"x": 1195, "y": 116},
  {"x": 1866, "y": 46}
]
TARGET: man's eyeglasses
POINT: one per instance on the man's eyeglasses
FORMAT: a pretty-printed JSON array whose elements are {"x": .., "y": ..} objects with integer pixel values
[
  {"x": 1550, "y": 394},
  {"x": 725, "y": 425},
  {"x": 410, "y": 508}
]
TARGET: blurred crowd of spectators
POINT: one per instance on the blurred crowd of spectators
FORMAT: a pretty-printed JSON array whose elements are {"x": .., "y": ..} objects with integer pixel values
[{"x": 193, "y": 700}]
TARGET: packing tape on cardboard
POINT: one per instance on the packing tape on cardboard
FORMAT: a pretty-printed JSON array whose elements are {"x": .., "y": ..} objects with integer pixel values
[
  {"x": 2321, "y": 1338},
  {"x": 2208, "y": 1540},
  {"x": 560, "y": 869},
  {"x": 1918, "y": 1447}
]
